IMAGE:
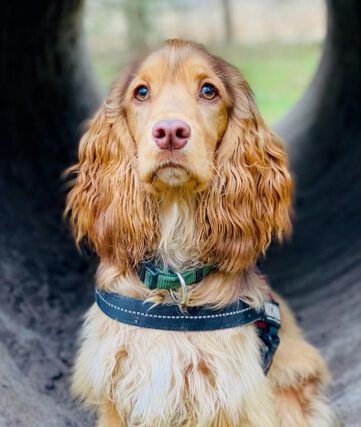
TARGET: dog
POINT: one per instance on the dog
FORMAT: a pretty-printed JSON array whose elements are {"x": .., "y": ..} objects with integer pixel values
[{"x": 178, "y": 166}]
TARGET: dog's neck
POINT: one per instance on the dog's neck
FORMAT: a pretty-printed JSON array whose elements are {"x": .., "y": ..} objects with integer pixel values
[
  {"x": 177, "y": 249},
  {"x": 216, "y": 289},
  {"x": 177, "y": 246}
]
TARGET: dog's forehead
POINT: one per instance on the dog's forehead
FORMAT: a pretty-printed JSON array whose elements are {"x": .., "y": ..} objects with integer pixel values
[{"x": 170, "y": 64}]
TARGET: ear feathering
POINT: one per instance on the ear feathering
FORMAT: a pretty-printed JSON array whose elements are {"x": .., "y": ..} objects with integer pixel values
[
  {"x": 248, "y": 202},
  {"x": 106, "y": 204}
]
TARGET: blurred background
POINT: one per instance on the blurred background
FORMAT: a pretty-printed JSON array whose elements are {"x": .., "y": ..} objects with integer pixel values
[
  {"x": 307, "y": 82},
  {"x": 276, "y": 43}
]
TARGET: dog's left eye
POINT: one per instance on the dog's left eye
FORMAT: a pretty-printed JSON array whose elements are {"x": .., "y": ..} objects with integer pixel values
[
  {"x": 208, "y": 91},
  {"x": 141, "y": 93}
]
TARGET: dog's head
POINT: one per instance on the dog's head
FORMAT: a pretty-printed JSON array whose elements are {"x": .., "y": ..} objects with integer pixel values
[
  {"x": 181, "y": 120},
  {"x": 176, "y": 106}
]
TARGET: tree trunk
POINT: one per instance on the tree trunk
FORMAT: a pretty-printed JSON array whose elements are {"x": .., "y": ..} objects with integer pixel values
[
  {"x": 227, "y": 20},
  {"x": 136, "y": 18},
  {"x": 47, "y": 90},
  {"x": 320, "y": 269}
]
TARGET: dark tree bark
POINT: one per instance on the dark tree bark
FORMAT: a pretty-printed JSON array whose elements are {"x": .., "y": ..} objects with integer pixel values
[
  {"x": 46, "y": 91},
  {"x": 320, "y": 269},
  {"x": 227, "y": 20}
]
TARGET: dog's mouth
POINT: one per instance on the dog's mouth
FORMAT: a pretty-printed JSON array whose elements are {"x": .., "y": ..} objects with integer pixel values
[
  {"x": 171, "y": 164},
  {"x": 172, "y": 170},
  {"x": 171, "y": 173}
]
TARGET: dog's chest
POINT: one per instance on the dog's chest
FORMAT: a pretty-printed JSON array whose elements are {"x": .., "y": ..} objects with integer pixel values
[{"x": 164, "y": 376}]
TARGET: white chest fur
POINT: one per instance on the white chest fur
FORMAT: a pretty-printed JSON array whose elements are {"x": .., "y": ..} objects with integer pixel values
[{"x": 161, "y": 378}]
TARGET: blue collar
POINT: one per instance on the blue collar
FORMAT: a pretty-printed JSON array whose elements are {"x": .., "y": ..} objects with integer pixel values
[{"x": 170, "y": 317}]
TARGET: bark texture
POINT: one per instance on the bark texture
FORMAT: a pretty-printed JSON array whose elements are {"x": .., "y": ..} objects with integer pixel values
[
  {"x": 46, "y": 91},
  {"x": 320, "y": 269}
]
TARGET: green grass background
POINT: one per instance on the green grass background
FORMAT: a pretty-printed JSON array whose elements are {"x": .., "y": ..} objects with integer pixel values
[{"x": 277, "y": 72}]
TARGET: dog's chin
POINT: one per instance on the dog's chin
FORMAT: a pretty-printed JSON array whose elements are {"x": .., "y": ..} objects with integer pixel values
[{"x": 173, "y": 176}]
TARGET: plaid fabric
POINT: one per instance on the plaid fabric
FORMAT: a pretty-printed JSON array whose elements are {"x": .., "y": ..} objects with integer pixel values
[{"x": 154, "y": 277}]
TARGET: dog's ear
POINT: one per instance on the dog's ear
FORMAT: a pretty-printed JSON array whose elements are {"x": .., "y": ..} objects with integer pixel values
[
  {"x": 248, "y": 202},
  {"x": 106, "y": 204}
]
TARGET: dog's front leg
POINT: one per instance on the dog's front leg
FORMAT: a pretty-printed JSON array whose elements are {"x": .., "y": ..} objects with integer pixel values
[
  {"x": 109, "y": 417},
  {"x": 300, "y": 377}
]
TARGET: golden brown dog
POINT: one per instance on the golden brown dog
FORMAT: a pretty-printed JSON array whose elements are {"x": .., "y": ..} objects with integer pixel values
[{"x": 178, "y": 165}]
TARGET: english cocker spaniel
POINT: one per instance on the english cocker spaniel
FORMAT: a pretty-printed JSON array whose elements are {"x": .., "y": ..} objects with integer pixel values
[{"x": 179, "y": 188}]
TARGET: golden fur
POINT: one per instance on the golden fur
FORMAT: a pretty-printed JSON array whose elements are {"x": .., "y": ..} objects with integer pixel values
[{"x": 220, "y": 200}]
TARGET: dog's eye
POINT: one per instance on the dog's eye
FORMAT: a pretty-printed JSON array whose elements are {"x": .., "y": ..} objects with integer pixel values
[
  {"x": 208, "y": 91},
  {"x": 141, "y": 93}
]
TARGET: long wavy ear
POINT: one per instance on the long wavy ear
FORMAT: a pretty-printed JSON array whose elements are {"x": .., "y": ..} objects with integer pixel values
[
  {"x": 106, "y": 204},
  {"x": 249, "y": 199}
]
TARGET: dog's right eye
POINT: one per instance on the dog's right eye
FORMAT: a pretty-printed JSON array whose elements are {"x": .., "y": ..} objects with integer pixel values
[
  {"x": 141, "y": 93},
  {"x": 208, "y": 91}
]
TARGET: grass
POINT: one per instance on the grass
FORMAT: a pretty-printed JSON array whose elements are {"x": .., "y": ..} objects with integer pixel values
[{"x": 278, "y": 73}]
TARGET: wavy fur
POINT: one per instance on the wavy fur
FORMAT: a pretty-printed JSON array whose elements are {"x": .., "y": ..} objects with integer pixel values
[
  {"x": 107, "y": 206},
  {"x": 249, "y": 200},
  {"x": 236, "y": 200}
]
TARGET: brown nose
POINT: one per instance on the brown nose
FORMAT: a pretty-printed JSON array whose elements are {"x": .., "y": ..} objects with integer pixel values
[{"x": 171, "y": 134}]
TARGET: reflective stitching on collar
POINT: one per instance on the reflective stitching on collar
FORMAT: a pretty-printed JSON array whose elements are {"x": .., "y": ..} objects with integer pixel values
[
  {"x": 158, "y": 316},
  {"x": 136, "y": 312}
]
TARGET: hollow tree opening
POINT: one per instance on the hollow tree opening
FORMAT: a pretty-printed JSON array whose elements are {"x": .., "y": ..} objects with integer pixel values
[{"x": 47, "y": 91}]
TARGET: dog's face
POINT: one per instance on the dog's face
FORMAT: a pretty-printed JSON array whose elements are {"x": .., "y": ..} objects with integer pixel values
[
  {"x": 176, "y": 108},
  {"x": 181, "y": 121}
]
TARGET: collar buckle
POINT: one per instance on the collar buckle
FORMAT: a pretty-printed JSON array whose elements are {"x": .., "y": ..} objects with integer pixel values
[
  {"x": 272, "y": 313},
  {"x": 165, "y": 278},
  {"x": 148, "y": 274}
]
